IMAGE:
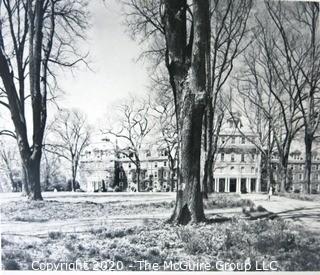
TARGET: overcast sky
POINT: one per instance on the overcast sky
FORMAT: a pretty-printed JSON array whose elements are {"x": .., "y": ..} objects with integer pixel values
[{"x": 113, "y": 56}]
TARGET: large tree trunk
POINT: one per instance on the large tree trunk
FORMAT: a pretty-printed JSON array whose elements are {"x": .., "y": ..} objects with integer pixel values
[
  {"x": 32, "y": 178},
  {"x": 190, "y": 92},
  {"x": 308, "y": 163},
  {"x": 189, "y": 205}
]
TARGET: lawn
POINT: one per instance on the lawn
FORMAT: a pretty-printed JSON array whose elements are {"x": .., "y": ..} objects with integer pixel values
[
  {"x": 236, "y": 240},
  {"x": 299, "y": 196}
]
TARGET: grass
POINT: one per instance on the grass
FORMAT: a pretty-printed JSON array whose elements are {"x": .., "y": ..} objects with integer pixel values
[
  {"x": 226, "y": 201},
  {"x": 44, "y": 211},
  {"x": 299, "y": 196},
  {"x": 237, "y": 240}
]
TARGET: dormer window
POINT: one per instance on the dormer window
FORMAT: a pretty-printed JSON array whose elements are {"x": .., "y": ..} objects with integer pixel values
[
  {"x": 242, "y": 158},
  {"x": 232, "y": 158},
  {"x": 233, "y": 140},
  {"x": 222, "y": 156}
]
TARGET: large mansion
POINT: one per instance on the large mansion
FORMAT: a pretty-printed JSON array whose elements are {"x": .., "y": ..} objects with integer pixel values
[
  {"x": 103, "y": 167},
  {"x": 238, "y": 166}
]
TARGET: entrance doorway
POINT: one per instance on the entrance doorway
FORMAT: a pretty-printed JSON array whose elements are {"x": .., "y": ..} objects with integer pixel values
[
  {"x": 233, "y": 185},
  {"x": 221, "y": 186},
  {"x": 243, "y": 186},
  {"x": 253, "y": 185}
]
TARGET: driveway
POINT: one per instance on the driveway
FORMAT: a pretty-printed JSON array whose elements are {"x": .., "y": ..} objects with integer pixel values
[{"x": 305, "y": 213}]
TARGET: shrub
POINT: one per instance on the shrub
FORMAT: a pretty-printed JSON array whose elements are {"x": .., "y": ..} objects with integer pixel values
[
  {"x": 55, "y": 235},
  {"x": 11, "y": 265}
]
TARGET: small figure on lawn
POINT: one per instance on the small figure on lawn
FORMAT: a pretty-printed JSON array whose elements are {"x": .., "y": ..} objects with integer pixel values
[{"x": 270, "y": 193}]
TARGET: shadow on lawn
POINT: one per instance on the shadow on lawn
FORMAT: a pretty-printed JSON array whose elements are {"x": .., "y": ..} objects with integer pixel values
[{"x": 298, "y": 213}]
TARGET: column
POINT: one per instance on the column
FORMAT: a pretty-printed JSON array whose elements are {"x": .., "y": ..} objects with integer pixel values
[
  {"x": 257, "y": 184},
  {"x": 238, "y": 188},
  {"x": 216, "y": 185},
  {"x": 226, "y": 185},
  {"x": 248, "y": 184}
]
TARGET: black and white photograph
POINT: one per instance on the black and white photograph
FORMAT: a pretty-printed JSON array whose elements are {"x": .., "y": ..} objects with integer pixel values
[{"x": 159, "y": 136}]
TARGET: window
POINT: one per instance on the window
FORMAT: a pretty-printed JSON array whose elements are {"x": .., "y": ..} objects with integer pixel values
[
  {"x": 300, "y": 176},
  {"x": 120, "y": 175},
  {"x": 164, "y": 174},
  {"x": 223, "y": 140},
  {"x": 232, "y": 158},
  {"x": 301, "y": 166},
  {"x": 231, "y": 124},
  {"x": 155, "y": 174},
  {"x": 242, "y": 169},
  {"x": 243, "y": 140},
  {"x": 232, "y": 168},
  {"x": 252, "y": 169},
  {"x": 156, "y": 164},
  {"x": 242, "y": 158},
  {"x": 233, "y": 140},
  {"x": 164, "y": 163},
  {"x": 222, "y": 156},
  {"x": 148, "y": 153},
  {"x": 129, "y": 165},
  {"x": 253, "y": 156}
]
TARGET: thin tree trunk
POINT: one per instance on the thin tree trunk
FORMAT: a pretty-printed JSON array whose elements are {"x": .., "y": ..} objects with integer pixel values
[
  {"x": 138, "y": 170},
  {"x": 308, "y": 163},
  {"x": 283, "y": 175}
]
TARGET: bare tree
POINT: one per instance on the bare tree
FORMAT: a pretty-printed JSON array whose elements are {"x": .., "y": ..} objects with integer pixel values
[
  {"x": 166, "y": 125},
  {"x": 35, "y": 36},
  {"x": 51, "y": 176},
  {"x": 272, "y": 78},
  {"x": 9, "y": 161},
  {"x": 229, "y": 38},
  {"x": 298, "y": 27},
  {"x": 133, "y": 127},
  {"x": 187, "y": 67},
  {"x": 178, "y": 35},
  {"x": 70, "y": 135},
  {"x": 257, "y": 107}
]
